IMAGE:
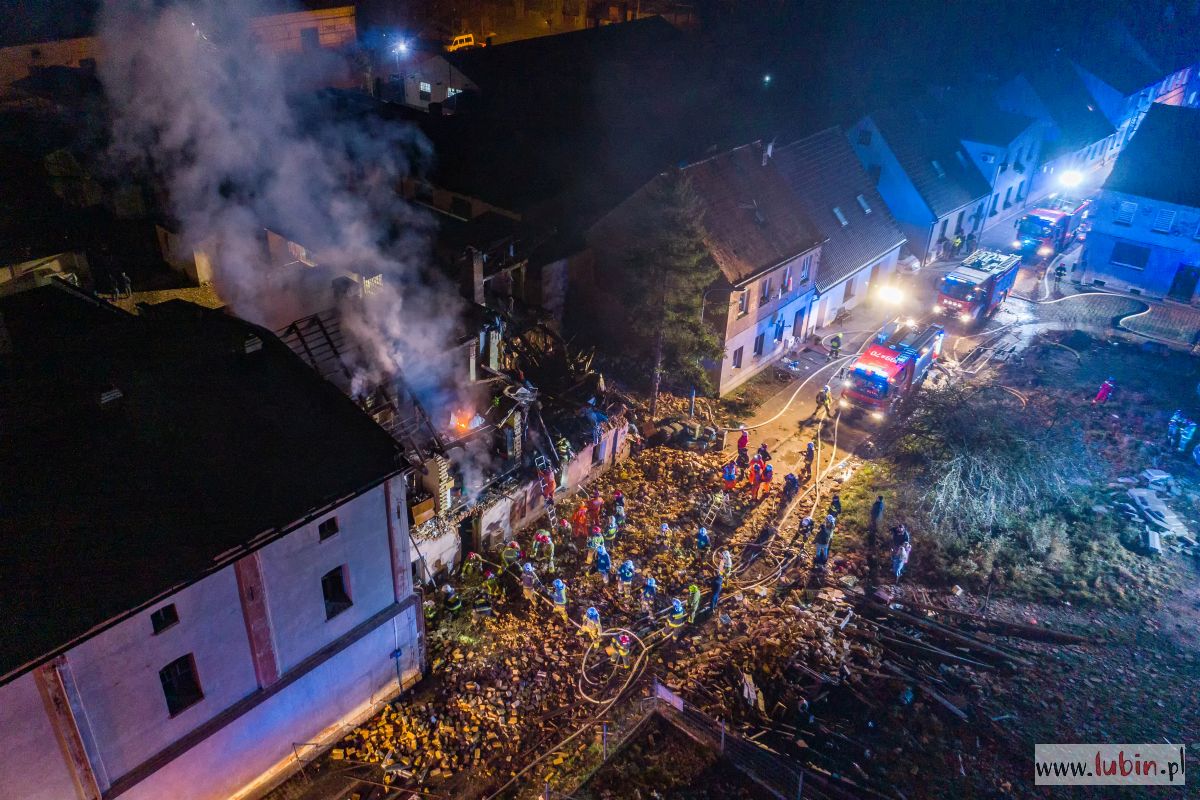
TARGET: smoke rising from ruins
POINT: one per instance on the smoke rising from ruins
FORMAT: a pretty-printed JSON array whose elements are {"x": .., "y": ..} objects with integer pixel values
[{"x": 220, "y": 123}]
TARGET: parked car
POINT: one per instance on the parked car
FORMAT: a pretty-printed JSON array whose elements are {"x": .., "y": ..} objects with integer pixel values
[{"x": 461, "y": 42}]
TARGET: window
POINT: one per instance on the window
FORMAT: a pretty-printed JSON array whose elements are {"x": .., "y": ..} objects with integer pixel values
[
  {"x": 758, "y": 344},
  {"x": 181, "y": 685},
  {"x": 451, "y": 91},
  {"x": 426, "y": 91},
  {"x": 937, "y": 168},
  {"x": 848, "y": 295},
  {"x": 164, "y": 618},
  {"x": 1008, "y": 197},
  {"x": 787, "y": 282},
  {"x": 805, "y": 268},
  {"x": 780, "y": 327},
  {"x": 1125, "y": 254},
  {"x": 1125, "y": 212},
  {"x": 1021, "y": 191},
  {"x": 863, "y": 204},
  {"x": 310, "y": 39},
  {"x": 327, "y": 528},
  {"x": 864, "y": 137},
  {"x": 841, "y": 218},
  {"x": 737, "y": 358},
  {"x": 1163, "y": 220},
  {"x": 743, "y": 303},
  {"x": 987, "y": 158},
  {"x": 333, "y": 586},
  {"x": 765, "y": 295}
]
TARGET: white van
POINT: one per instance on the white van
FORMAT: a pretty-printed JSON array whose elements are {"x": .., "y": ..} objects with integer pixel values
[{"x": 461, "y": 42}]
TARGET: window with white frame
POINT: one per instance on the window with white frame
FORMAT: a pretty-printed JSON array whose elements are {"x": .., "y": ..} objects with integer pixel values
[
  {"x": 737, "y": 358},
  {"x": 1128, "y": 254},
  {"x": 863, "y": 204},
  {"x": 426, "y": 91},
  {"x": 1125, "y": 212},
  {"x": 841, "y": 218},
  {"x": 758, "y": 344},
  {"x": 1164, "y": 218},
  {"x": 451, "y": 91},
  {"x": 787, "y": 281},
  {"x": 765, "y": 295},
  {"x": 937, "y": 168},
  {"x": 805, "y": 267},
  {"x": 743, "y": 302}
]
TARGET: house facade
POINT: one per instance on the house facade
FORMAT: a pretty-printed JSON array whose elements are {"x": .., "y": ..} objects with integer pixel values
[
  {"x": 1006, "y": 149},
  {"x": 925, "y": 176},
  {"x": 768, "y": 251},
  {"x": 261, "y": 596},
  {"x": 1145, "y": 235},
  {"x": 861, "y": 238}
]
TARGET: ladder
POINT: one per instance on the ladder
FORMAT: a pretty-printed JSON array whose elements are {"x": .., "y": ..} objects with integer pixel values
[
  {"x": 543, "y": 467},
  {"x": 714, "y": 508}
]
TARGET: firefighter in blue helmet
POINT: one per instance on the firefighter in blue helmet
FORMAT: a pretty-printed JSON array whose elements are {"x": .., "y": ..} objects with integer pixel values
[
  {"x": 453, "y": 601},
  {"x": 702, "y": 540},
  {"x": 649, "y": 596},
  {"x": 676, "y": 617},
  {"x": 559, "y": 595},
  {"x": 603, "y": 562},
  {"x": 591, "y": 623},
  {"x": 625, "y": 577},
  {"x": 529, "y": 583}
]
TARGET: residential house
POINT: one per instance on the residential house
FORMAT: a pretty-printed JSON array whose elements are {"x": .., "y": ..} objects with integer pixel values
[
  {"x": 768, "y": 251},
  {"x": 1005, "y": 148},
  {"x": 925, "y": 176},
  {"x": 203, "y": 552},
  {"x": 1145, "y": 235},
  {"x": 862, "y": 240},
  {"x": 1076, "y": 135}
]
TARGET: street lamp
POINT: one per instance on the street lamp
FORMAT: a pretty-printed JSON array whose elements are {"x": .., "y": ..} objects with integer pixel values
[
  {"x": 401, "y": 49},
  {"x": 1071, "y": 178}
]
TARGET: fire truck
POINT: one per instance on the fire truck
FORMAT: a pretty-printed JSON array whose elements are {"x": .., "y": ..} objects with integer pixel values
[
  {"x": 978, "y": 286},
  {"x": 1045, "y": 232},
  {"x": 891, "y": 368}
]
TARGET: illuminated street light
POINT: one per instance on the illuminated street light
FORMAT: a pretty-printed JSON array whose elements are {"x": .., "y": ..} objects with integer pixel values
[
  {"x": 402, "y": 49},
  {"x": 766, "y": 80},
  {"x": 891, "y": 294},
  {"x": 1071, "y": 178}
]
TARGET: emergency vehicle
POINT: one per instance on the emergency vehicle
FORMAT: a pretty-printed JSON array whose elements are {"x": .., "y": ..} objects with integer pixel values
[
  {"x": 891, "y": 368},
  {"x": 978, "y": 286},
  {"x": 1045, "y": 232}
]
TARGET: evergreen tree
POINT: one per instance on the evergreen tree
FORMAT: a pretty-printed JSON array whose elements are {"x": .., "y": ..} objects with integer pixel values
[{"x": 666, "y": 276}]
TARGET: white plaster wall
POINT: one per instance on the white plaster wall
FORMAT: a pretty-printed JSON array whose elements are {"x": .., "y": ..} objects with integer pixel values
[
  {"x": 116, "y": 672},
  {"x": 292, "y": 569},
  {"x": 319, "y": 707},
  {"x": 32, "y": 764},
  {"x": 752, "y": 364}
]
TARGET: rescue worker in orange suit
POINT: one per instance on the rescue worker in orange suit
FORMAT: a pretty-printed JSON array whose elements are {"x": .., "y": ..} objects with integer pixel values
[
  {"x": 548, "y": 485},
  {"x": 579, "y": 521},
  {"x": 764, "y": 485},
  {"x": 756, "y": 473},
  {"x": 729, "y": 475},
  {"x": 595, "y": 507}
]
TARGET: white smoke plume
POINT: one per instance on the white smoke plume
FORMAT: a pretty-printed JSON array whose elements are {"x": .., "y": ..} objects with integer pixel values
[{"x": 241, "y": 148}]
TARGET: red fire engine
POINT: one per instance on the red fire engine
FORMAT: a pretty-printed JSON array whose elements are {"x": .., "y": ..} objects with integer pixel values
[
  {"x": 978, "y": 286},
  {"x": 1045, "y": 232},
  {"x": 892, "y": 368}
]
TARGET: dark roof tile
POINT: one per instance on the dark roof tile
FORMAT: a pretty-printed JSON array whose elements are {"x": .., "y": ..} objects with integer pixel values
[{"x": 1162, "y": 161}]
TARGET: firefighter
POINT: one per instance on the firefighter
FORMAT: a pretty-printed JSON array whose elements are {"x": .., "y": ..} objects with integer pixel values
[
  {"x": 743, "y": 442},
  {"x": 649, "y": 596},
  {"x": 529, "y": 582},
  {"x": 824, "y": 401},
  {"x": 1173, "y": 429},
  {"x": 594, "y": 541},
  {"x": 510, "y": 555},
  {"x": 835, "y": 346},
  {"x": 453, "y": 602},
  {"x": 618, "y": 502},
  {"x": 664, "y": 538},
  {"x": 726, "y": 567},
  {"x": 472, "y": 565},
  {"x": 791, "y": 486},
  {"x": 756, "y": 472},
  {"x": 702, "y": 542},
  {"x": 1105, "y": 391},
  {"x": 625, "y": 577},
  {"x": 621, "y": 650},
  {"x": 595, "y": 507},
  {"x": 693, "y": 603},
  {"x": 831, "y": 521},
  {"x": 729, "y": 475},
  {"x": 717, "y": 583},
  {"x": 603, "y": 563},
  {"x": 743, "y": 463},
  {"x": 764, "y": 455},
  {"x": 610, "y": 531},
  {"x": 810, "y": 453},
  {"x": 543, "y": 542},
  {"x": 430, "y": 609},
  {"x": 675, "y": 618},
  {"x": 579, "y": 521},
  {"x": 483, "y": 605},
  {"x": 591, "y": 623},
  {"x": 559, "y": 595},
  {"x": 806, "y": 529},
  {"x": 548, "y": 485},
  {"x": 565, "y": 451},
  {"x": 835, "y": 505}
]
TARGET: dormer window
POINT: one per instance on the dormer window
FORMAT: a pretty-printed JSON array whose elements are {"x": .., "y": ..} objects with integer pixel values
[{"x": 841, "y": 218}]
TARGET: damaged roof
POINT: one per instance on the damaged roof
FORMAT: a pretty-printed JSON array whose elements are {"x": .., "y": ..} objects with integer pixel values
[
  {"x": 824, "y": 173},
  {"x": 754, "y": 220},
  {"x": 141, "y": 452}
]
